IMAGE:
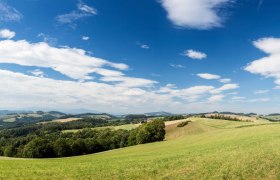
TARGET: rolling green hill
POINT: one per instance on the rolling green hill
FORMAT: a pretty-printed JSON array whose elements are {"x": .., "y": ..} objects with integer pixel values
[{"x": 204, "y": 149}]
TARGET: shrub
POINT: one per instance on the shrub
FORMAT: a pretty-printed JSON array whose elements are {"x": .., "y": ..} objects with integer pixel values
[{"x": 184, "y": 123}]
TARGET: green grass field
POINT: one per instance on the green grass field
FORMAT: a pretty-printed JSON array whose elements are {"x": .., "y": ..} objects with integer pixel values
[{"x": 204, "y": 149}]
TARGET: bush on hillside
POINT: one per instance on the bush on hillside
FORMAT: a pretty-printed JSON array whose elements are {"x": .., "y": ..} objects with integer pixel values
[{"x": 184, "y": 123}]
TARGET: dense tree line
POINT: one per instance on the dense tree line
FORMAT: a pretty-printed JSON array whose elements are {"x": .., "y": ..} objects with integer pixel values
[
  {"x": 36, "y": 142},
  {"x": 174, "y": 118},
  {"x": 224, "y": 117}
]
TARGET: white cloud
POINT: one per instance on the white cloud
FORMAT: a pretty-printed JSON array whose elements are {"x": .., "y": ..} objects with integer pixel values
[
  {"x": 267, "y": 66},
  {"x": 82, "y": 11},
  {"x": 48, "y": 39},
  {"x": 208, "y": 76},
  {"x": 195, "y": 14},
  {"x": 20, "y": 91},
  {"x": 225, "y": 80},
  {"x": 72, "y": 62},
  {"x": 194, "y": 54},
  {"x": 7, "y": 34},
  {"x": 261, "y": 91},
  {"x": 213, "y": 76},
  {"x": 85, "y": 8},
  {"x": 176, "y": 65},
  {"x": 8, "y": 13},
  {"x": 225, "y": 87},
  {"x": 28, "y": 91},
  {"x": 190, "y": 94},
  {"x": 85, "y": 38},
  {"x": 38, "y": 73},
  {"x": 128, "y": 81},
  {"x": 216, "y": 98}
]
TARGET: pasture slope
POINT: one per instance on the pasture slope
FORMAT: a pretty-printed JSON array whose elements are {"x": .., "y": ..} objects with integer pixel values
[{"x": 204, "y": 149}]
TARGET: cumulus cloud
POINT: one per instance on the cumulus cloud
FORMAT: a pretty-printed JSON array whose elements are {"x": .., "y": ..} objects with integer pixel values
[
  {"x": 81, "y": 12},
  {"x": 72, "y": 62},
  {"x": 7, "y": 34},
  {"x": 111, "y": 91},
  {"x": 267, "y": 66},
  {"x": 8, "y": 13},
  {"x": 27, "y": 92},
  {"x": 195, "y": 14},
  {"x": 194, "y": 54},
  {"x": 208, "y": 76}
]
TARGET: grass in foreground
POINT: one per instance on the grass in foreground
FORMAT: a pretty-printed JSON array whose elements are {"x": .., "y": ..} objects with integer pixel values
[{"x": 205, "y": 149}]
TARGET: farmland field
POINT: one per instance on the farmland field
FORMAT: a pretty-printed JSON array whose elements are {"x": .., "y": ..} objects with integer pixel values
[
  {"x": 125, "y": 127},
  {"x": 204, "y": 149},
  {"x": 62, "y": 120}
]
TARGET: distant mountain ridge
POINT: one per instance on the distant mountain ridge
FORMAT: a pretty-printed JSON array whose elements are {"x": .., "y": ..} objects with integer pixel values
[{"x": 160, "y": 113}]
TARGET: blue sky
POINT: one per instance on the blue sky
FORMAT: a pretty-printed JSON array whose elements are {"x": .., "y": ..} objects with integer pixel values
[{"x": 127, "y": 56}]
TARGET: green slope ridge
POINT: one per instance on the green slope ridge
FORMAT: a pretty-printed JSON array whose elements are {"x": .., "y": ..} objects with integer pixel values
[{"x": 205, "y": 149}]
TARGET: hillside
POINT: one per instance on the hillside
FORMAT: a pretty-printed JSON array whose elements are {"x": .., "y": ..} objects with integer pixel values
[{"x": 204, "y": 149}]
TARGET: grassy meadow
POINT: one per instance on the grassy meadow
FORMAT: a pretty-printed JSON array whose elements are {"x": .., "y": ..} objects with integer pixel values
[{"x": 204, "y": 149}]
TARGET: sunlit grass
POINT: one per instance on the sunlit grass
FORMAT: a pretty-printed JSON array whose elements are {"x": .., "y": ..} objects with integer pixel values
[{"x": 204, "y": 149}]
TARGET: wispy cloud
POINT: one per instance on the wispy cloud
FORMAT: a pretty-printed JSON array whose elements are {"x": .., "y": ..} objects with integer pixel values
[
  {"x": 261, "y": 91},
  {"x": 48, "y": 39},
  {"x": 81, "y": 12},
  {"x": 176, "y": 65},
  {"x": 38, "y": 73},
  {"x": 145, "y": 46},
  {"x": 260, "y": 3},
  {"x": 142, "y": 45},
  {"x": 8, "y": 13}
]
